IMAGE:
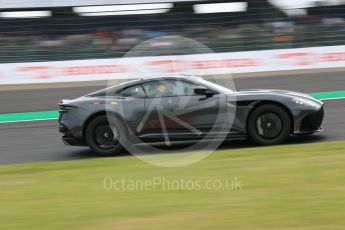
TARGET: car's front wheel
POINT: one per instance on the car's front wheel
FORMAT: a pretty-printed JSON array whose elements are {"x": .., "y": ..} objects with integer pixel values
[
  {"x": 269, "y": 124},
  {"x": 103, "y": 138}
]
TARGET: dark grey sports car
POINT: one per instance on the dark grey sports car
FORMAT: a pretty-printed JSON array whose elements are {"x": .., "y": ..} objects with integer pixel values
[{"x": 184, "y": 108}]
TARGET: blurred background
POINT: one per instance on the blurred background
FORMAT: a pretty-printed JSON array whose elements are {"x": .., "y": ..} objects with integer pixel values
[
  {"x": 63, "y": 49},
  {"x": 62, "y": 30}
]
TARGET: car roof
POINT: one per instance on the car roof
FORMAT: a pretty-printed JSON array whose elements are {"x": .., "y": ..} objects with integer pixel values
[
  {"x": 160, "y": 77},
  {"x": 167, "y": 77},
  {"x": 147, "y": 79}
]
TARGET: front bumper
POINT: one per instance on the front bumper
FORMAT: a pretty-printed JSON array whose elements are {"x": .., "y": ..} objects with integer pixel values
[
  {"x": 309, "y": 122},
  {"x": 313, "y": 121}
]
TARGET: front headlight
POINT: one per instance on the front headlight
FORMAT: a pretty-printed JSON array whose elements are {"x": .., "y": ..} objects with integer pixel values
[{"x": 304, "y": 102}]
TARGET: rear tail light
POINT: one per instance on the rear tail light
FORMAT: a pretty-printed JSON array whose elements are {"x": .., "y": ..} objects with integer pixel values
[{"x": 64, "y": 107}]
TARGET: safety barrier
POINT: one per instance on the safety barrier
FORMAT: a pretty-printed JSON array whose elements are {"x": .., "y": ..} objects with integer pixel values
[{"x": 201, "y": 64}]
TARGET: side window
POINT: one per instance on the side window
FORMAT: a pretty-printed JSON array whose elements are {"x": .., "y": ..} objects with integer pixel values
[
  {"x": 158, "y": 89},
  {"x": 186, "y": 87},
  {"x": 133, "y": 91},
  {"x": 168, "y": 88}
]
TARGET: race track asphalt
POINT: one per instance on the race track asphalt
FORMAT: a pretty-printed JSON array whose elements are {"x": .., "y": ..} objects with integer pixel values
[{"x": 40, "y": 140}]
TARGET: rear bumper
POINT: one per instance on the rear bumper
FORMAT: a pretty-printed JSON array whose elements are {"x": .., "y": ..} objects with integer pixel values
[
  {"x": 73, "y": 141},
  {"x": 69, "y": 139}
]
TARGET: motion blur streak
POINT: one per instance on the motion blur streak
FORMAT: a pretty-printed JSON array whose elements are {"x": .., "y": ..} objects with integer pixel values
[
  {"x": 329, "y": 95},
  {"x": 30, "y": 116},
  {"x": 51, "y": 115}
]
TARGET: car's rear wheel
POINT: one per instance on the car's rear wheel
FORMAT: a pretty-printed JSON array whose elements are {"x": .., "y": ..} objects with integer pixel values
[
  {"x": 269, "y": 124},
  {"x": 105, "y": 135}
]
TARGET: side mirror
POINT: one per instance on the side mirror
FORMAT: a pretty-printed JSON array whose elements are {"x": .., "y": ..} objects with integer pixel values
[{"x": 200, "y": 90}]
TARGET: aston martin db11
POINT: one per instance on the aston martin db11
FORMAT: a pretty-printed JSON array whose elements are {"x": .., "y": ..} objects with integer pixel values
[{"x": 182, "y": 108}]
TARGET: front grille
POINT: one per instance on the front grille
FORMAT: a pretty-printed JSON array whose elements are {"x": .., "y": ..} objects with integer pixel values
[{"x": 312, "y": 122}]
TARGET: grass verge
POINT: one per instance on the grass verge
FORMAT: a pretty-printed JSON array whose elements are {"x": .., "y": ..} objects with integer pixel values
[{"x": 282, "y": 187}]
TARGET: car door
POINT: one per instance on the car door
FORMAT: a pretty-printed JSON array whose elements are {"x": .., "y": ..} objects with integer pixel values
[
  {"x": 173, "y": 108},
  {"x": 132, "y": 105}
]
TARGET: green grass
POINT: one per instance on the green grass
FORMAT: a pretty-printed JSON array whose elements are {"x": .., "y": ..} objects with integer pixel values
[{"x": 284, "y": 187}]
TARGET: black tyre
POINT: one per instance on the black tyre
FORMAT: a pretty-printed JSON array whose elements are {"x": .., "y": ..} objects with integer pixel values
[
  {"x": 105, "y": 136},
  {"x": 269, "y": 124}
]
